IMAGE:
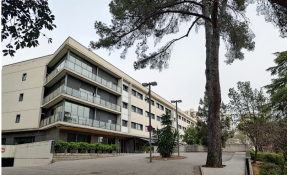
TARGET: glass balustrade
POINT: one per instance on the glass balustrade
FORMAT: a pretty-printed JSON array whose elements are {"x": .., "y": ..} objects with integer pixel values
[
  {"x": 81, "y": 95},
  {"x": 87, "y": 73},
  {"x": 79, "y": 120}
]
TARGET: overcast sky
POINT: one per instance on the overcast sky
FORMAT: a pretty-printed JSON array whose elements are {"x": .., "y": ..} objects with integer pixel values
[{"x": 185, "y": 78}]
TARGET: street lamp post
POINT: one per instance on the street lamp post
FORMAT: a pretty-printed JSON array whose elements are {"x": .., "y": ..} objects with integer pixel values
[
  {"x": 176, "y": 101},
  {"x": 149, "y": 127}
]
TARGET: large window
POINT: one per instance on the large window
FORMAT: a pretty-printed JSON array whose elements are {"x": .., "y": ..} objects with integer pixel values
[
  {"x": 179, "y": 117},
  {"x": 137, "y": 94},
  {"x": 137, "y": 110},
  {"x": 24, "y": 76},
  {"x": 158, "y": 118},
  {"x": 3, "y": 141},
  {"x": 76, "y": 113},
  {"x": 22, "y": 140},
  {"x": 137, "y": 126},
  {"x": 78, "y": 138},
  {"x": 147, "y": 115},
  {"x": 147, "y": 100},
  {"x": 159, "y": 106}
]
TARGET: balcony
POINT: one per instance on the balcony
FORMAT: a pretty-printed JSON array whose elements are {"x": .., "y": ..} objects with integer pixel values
[
  {"x": 84, "y": 72},
  {"x": 80, "y": 121},
  {"x": 80, "y": 95}
]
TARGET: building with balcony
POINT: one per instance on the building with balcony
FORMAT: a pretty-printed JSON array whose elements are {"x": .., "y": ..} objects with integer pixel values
[{"x": 74, "y": 95}]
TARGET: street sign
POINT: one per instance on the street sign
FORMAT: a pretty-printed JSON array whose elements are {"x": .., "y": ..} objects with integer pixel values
[
  {"x": 149, "y": 128},
  {"x": 3, "y": 150},
  {"x": 53, "y": 143}
]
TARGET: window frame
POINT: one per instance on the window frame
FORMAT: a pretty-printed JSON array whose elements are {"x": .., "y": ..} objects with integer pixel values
[
  {"x": 124, "y": 123},
  {"x": 125, "y": 88},
  {"x": 125, "y": 105}
]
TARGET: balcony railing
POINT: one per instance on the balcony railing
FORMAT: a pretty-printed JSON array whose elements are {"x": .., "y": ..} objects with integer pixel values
[
  {"x": 70, "y": 65},
  {"x": 81, "y": 95},
  {"x": 79, "y": 120}
]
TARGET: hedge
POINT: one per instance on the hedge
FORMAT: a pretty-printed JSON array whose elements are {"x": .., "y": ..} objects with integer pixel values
[
  {"x": 278, "y": 159},
  {"x": 61, "y": 145}
]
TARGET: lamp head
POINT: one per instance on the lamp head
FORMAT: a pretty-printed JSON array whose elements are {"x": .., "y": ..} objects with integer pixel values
[
  {"x": 153, "y": 83},
  {"x": 144, "y": 84}
]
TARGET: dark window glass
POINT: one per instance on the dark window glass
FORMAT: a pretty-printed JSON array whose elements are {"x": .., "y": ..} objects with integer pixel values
[
  {"x": 24, "y": 76},
  {"x": 81, "y": 138},
  {"x": 158, "y": 118},
  {"x": 72, "y": 137},
  {"x": 21, "y": 96},
  {"x": 134, "y": 92},
  {"x": 125, "y": 123},
  {"x": 22, "y": 140},
  {"x": 133, "y": 125},
  {"x": 17, "y": 118},
  {"x": 125, "y": 88},
  {"x": 3, "y": 141},
  {"x": 125, "y": 105},
  {"x": 139, "y": 111},
  {"x": 134, "y": 109}
]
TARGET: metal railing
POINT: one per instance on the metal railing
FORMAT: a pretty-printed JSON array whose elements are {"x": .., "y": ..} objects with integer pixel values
[
  {"x": 81, "y": 95},
  {"x": 79, "y": 120},
  {"x": 70, "y": 65}
]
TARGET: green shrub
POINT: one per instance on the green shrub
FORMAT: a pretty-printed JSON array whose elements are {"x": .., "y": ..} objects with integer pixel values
[
  {"x": 144, "y": 148},
  {"x": 83, "y": 145},
  {"x": 272, "y": 169},
  {"x": 114, "y": 147},
  {"x": 73, "y": 145},
  {"x": 109, "y": 148},
  {"x": 91, "y": 146},
  {"x": 278, "y": 159},
  {"x": 60, "y": 145},
  {"x": 99, "y": 146}
]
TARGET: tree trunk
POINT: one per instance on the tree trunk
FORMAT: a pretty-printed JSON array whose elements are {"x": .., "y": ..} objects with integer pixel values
[
  {"x": 214, "y": 155},
  {"x": 255, "y": 155}
]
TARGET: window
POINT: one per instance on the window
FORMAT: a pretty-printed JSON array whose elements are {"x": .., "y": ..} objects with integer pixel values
[
  {"x": 3, "y": 141},
  {"x": 137, "y": 94},
  {"x": 22, "y": 140},
  {"x": 183, "y": 119},
  {"x": 188, "y": 121},
  {"x": 136, "y": 126},
  {"x": 137, "y": 110},
  {"x": 179, "y": 126},
  {"x": 21, "y": 96},
  {"x": 179, "y": 117},
  {"x": 17, "y": 118},
  {"x": 24, "y": 76},
  {"x": 125, "y": 88},
  {"x": 78, "y": 138},
  {"x": 184, "y": 128},
  {"x": 125, "y": 105},
  {"x": 147, "y": 100},
  {"x": 147, "y": 115},
  {"x": 167, "y": 110},
  {"x": 159, "y": 106},
  {"x": 158, "y": 118},
  {"x": 124, "y": 123}
]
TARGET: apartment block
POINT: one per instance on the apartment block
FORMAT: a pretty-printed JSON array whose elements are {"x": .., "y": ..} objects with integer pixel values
[{"x": 74, "y": 95}]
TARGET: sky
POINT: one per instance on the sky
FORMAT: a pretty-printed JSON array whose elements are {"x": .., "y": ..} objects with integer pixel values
[{"x": 185, "y": 78}]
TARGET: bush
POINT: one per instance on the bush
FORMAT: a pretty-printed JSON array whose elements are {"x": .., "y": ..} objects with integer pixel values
[
  {"x": 272, "y": 169},
  {"x": 73, "y": 145},
  {"x": 114, "y": 147},
  {"x": 84, "y": 145},
  {"x": 109, "y": 148},
  {"x": 278, "y": 159},
  {"x": 144, "y": 148},
  {"x": 60, "y": 145},
  {"x": 99, "y": 146}
]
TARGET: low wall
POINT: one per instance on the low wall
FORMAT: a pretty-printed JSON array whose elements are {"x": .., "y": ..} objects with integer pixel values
[
  {"x": 9, "y": 151},
  {"x": 200, "y": 148},
  {"x": 31, "y": 154}
]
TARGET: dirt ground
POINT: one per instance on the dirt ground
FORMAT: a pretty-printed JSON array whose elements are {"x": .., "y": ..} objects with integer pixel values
[{"x": 256, "y": 168}]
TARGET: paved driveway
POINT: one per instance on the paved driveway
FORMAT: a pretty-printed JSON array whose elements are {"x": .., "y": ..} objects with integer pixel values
[{"x": 124, "y": 165}]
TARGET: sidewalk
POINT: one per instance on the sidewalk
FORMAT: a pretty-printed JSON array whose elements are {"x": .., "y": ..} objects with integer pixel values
[{"x": 235, "y": 166}]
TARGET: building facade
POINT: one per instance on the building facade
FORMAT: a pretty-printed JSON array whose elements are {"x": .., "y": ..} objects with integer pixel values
[{"x": 74, "y": 95}]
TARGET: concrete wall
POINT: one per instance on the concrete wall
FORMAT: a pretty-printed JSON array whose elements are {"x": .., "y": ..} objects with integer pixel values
[
  {"x": 200, "y": 148},
  {"x": 12, "y": 86},
  {"x": 31, "y": 154}
]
